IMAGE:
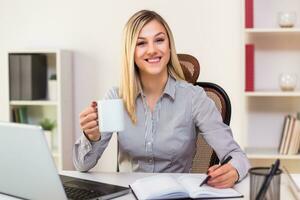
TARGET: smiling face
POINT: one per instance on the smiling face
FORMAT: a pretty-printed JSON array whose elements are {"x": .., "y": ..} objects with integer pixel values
[{"x": 152, "y": 52}]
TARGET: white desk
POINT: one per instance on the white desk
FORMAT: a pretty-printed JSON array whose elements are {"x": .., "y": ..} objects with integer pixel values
[{"x": 124, "y": 179}]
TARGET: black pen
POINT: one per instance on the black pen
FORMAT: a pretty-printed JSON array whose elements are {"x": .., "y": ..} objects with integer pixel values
[
  {"x": 222, "y": 163},
  {"x": 264, "y": 187},
  {"x": 133, "y": 192}
]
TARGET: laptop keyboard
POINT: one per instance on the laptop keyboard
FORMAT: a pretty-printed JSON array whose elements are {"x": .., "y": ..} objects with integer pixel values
[{"x": 76, "y": 193}]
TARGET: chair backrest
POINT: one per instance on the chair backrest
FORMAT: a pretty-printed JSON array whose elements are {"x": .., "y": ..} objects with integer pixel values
[{"x": 205, "y": 156}]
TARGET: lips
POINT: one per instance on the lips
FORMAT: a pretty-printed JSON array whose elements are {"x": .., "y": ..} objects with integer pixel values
[{"x": 153, "y": 60}]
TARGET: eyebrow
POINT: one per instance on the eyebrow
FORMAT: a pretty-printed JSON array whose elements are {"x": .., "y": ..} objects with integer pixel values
[{"x": 154, "y": 35}]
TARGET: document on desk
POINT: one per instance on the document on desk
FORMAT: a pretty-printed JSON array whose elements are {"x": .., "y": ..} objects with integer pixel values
[
  {"x": 296, "y": 178},
  {"x": 294, "y": 182},
  {"x": 186, "y": 186}
]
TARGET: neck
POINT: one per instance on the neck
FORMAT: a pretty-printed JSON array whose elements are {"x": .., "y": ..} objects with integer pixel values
[{"x": 154, "y": 85}]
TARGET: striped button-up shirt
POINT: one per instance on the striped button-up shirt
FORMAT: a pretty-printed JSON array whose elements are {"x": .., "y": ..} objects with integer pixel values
[{"x": 164, "y": 140}]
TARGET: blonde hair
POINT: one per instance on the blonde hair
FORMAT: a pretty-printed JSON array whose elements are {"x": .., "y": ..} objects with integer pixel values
[{"x": 130, "y": 82}]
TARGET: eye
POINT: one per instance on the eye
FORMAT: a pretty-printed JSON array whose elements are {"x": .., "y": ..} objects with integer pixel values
[
  {"x": 159, "y": 40},
  {"x": 141, "y": 43}
]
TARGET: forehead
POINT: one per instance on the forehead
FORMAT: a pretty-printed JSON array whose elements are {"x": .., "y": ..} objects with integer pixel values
[{"x": 152, "y": 28}]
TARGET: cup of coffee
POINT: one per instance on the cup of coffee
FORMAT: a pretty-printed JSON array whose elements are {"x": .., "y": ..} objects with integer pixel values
[{"x": 111, "y": 115}]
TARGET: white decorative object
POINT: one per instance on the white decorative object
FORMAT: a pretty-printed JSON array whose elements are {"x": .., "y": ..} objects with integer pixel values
[
  {"x": 287, "y": 81},
  {"x": 52, "y": 89},
  {"x": 287, "y": 19},
  {"x": 48, "y": 135}
]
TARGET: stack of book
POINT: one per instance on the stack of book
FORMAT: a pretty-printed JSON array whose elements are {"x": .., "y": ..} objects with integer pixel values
[
  {"x": 290, "y": 138},
  {"x": 19, "y": 114},
  {"x": 27, "y": 76}
]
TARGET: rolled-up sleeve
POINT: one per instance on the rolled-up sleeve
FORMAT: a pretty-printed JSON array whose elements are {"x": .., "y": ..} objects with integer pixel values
[
  {"x": 86, "y": 153},
  {"x": 217, "y": 134}
]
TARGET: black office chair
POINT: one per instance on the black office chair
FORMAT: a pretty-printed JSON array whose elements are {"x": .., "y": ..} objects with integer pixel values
[{"x": 205, "y": 155}]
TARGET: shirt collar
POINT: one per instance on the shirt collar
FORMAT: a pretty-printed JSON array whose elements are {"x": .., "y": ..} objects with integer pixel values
[{"x": 169, "y": 88}]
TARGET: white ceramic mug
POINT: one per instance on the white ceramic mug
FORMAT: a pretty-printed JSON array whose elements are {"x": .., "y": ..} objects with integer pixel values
[{"x": 111, "y": 115}]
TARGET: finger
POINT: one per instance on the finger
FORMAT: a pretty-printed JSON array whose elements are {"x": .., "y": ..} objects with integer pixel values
[
  {"x": 226, "y": 180},
  {"x": 225, "y": 184},
  {"x": 91, "y": 117},
  {"x": 212, "y": 168},
  {"x": 92, "y": 131},
  {"x": 222, "y": 178},
  {"x": 221, "y": 170},
  {"x": 94, "y": 104},
  {"x": 90, "y": 125},
  {"x": 87, "y": 111}
]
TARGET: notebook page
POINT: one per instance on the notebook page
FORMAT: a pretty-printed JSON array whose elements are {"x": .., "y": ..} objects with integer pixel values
[
  {"x": 191, "y": 184},
  {"x": 158, "y": 187}
]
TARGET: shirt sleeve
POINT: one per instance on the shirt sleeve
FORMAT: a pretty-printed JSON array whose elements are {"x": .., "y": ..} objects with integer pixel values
[
  {"x": 86, "y": 153},
  {"x": 217, "y": 134}
]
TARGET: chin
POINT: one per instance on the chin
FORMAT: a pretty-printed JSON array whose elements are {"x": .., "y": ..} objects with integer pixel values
[{"x": 154, "y": 70}]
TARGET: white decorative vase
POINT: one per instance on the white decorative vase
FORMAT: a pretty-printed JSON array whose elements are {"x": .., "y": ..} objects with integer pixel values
[
  {"x": 288, "y": 81},
  {"x": 52, "y": 89},
  {"x": 287, "y": 19},
  {"x": 48, "y": 135}
]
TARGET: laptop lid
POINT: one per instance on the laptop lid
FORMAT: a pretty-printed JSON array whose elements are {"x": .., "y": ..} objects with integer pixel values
[{"x": 27, "y": 169}]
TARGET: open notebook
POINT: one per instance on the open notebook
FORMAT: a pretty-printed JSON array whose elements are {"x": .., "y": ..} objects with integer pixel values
[{"x": 166, "y": 186}]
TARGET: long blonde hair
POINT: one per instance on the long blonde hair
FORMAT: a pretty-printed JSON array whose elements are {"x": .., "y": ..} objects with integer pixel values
[{"x": 130, "y": 82}]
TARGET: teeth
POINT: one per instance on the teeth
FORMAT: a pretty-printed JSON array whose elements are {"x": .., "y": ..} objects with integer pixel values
[{"x": 153, "y": 60}]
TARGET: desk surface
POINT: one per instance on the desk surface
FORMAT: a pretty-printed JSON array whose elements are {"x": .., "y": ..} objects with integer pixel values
[{"x": 124, "y": 179}]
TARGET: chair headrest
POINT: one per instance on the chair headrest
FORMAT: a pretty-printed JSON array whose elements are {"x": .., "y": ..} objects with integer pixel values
[{"x": 190, "y": 67}]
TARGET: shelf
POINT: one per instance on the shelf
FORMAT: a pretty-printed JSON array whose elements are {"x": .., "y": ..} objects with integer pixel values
[
  {"x": 33, "y": 103},
  {"x": 268, "y": 153},
  {"x": 32, "y": 51},
  {"x": 272, "y": 30},
  {"x": 272, "y": 94},
  {"x": 59, "y": 62}
]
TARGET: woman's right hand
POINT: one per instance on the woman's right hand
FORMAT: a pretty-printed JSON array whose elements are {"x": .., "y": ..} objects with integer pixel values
[{"x": 89, "y": 122}]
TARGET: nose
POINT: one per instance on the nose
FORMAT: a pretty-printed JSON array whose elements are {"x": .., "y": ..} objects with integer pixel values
[{"x": 151, "y": 48}]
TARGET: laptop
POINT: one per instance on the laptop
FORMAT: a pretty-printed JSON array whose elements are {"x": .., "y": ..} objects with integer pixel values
[{"x": 27, "y": 170}]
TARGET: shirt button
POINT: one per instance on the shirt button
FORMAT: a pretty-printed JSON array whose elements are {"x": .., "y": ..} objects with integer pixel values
[
  {"x": 150, "y": 160},
  {"x": 149, "y": 143}
]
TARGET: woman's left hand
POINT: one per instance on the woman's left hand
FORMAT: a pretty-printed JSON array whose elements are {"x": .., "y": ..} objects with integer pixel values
[{"x": 223, "y": 176}]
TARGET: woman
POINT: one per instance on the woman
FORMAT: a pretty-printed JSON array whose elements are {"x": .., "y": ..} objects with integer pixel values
[{"x": 163, "y": 112}]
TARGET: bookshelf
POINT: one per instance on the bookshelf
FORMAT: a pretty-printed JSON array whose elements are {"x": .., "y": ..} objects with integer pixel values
[
  {"x": 272, "y": 30},
  {"x": 272, "y": 94},
  {"x": 276, "y": 50},
  {"x": 58, "y": 62}
]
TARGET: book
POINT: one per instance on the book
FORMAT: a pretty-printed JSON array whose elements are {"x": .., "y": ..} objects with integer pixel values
[
  {"x": 293, "y": 145},
  {"x": 284, "y": 129},
  {"x": 166, "y": 186},
  {"x": 33, "y": 76},
  {"x": 289, "y": 135},
  {"x": 285, "y": 133},
  {"x": 249, "y": 64},
  {"x": 22, "y": 110},
  {"x": 15, "y": 115},
  {"x": 14, "y": 77},
  {"x": 249, "y": 13}
]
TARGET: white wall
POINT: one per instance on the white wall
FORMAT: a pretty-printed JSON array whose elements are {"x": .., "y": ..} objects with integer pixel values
[{"x": 211, "y": 30}]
